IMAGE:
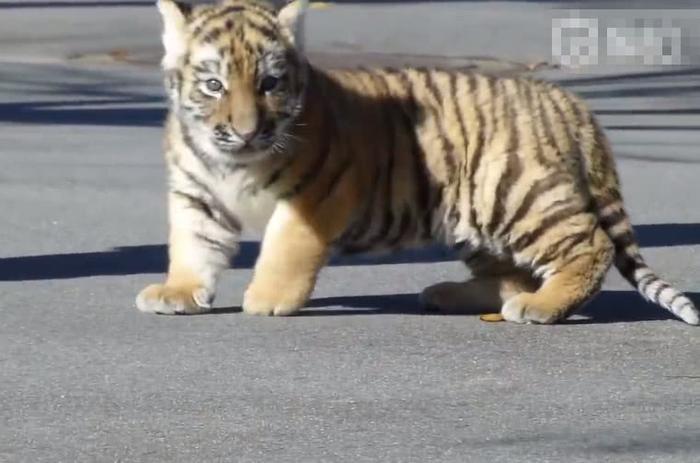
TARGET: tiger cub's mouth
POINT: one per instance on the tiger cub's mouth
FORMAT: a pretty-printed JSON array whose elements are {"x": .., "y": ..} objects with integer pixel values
[{"x": 245, "y": 153}]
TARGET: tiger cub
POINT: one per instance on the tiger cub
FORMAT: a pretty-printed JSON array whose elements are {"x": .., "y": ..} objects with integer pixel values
[{"x": 517, "y": 172}]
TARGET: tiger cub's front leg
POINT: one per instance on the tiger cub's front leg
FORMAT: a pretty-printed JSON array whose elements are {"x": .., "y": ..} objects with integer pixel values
[
  {"x": 201, "y": 245},
  {"x": 292, "y": 254}
]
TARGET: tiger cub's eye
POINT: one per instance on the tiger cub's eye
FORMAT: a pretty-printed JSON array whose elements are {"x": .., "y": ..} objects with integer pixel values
[
  {"x": 214, "y": 85},
  {"x": 268, "y": 84}
]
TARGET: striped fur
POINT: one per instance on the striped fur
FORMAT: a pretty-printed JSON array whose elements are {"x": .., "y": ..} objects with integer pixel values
[{"x": 515, "y": 171}]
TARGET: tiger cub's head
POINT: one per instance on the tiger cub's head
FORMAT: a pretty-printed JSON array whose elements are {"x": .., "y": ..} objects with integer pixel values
[{"x": 234, "y": 75}]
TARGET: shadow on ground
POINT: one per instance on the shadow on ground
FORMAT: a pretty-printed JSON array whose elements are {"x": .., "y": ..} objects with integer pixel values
[
  {"x": 152, "y": 258},
  {"x": 606, "y": 307},
  {"x": 138, "y": 112},
  {"x": 132, "y": 260}
]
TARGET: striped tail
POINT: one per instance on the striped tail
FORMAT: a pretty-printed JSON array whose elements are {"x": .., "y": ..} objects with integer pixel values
[
  {"x": 604, "y": 186},
  {"x": 630, "y": 263}
]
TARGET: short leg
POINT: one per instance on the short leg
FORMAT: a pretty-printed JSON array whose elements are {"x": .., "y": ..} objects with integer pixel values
[
  {"x": 292, "y": 254},
  {"x": 571, "y": 279},
  {"x": 200, "y": 246},
  {"x": 494, "y": 281}
]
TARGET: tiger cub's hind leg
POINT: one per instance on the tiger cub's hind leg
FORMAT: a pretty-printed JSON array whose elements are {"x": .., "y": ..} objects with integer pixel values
[
  {"x": 572, "y": 277},
  {"x": 493, "y": 282}
]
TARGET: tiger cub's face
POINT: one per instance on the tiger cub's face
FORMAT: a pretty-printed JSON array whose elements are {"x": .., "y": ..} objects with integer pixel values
[{"x": 233, "y": 75}]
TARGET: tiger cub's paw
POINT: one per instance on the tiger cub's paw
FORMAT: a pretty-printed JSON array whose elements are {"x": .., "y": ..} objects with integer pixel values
[
  {"x": 526, "y": 309},
  {"x": 267, "y": 302},
  {"x": 174, "y": 300}
]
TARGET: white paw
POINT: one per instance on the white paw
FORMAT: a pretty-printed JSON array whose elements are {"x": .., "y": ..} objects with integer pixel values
[
  {"x": 514, "y": 311},
  {"x": 167, "y": 300},
  {"x": 253, "y": 305},
  {"x": 520, "y": 309}
]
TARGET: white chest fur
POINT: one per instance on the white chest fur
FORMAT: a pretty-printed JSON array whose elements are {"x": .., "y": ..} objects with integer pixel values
[
  {"x": 236, "y": 192},
  {"x": 252, "y": 206}
]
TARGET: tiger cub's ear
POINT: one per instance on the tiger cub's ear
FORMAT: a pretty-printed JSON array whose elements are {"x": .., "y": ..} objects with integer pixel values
[
  {"x": 291, "y": 18},
  {"x": 175, "y": 16}
]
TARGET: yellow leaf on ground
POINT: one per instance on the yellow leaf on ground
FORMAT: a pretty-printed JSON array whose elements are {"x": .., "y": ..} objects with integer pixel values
[{"x": 492, "y": 317}]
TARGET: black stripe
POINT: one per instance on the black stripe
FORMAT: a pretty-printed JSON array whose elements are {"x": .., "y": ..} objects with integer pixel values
[
  {"x": 383, "y": 86},
  {"x": 216, "y": 14},
  {"x": 215, "y": 244},
  {"x": 265, "y": 30},
  {"x": 455, "y": 208},
  {"x": 658, "y": 291},
  {"x": 559, "y": 203},
  {"x": 675, "y": 297},
  {"x": 196, "y": 202},
  {"x": 545, "y": 136},
  {"x": 458, "y": 110},
  {"x": 560, "y": 119},
  {"x": 564, "y": 247},
  {"x": 314, "y": 171},
  {"x": 569, "y": 104},
  {"x": 359, "y": 231},
  {"x": 610, "y": 220},
  {"x": 435, "y": 201},
  {"x": 335, "y": 179},
  {"x": 213, "y": 35},
  {"x": 509, "y": 104},
  {"x": 547, "y": 123},
  {"x": 574, "y": 240},
  {"x": 193, "y": 179},
  {"x": 210, "y": 66},
  {"x": 455, "y": 212},
  {"x": 549, "y": 222},
  {"x": 492, "y": 96},
  {"x": 388, "y": 218},
  {"x": 645, "y": 281},
  {"x": 230, "y": 222},
  {"x": 623, "y": 241},
  {"x": 408, "y": 116},
  {"x": 510, "y": 175},
  {"x": 391, "y": 160},
  {"x": 627, "y": 266},
  {"x": 514, "y": 168},
  {"x": 609, "y": 197},
  {"x": 475, "y": 160},
  {"x": 180, "y": 82},
  {"x": 421, "y": 178},
  {"x": 404, "y": 225},
  {"x": 448, "y": 149},
  {"x": 249, "y": 50},
  {"x": 537, "y": 190},
  {"x": 277, "y": 174},
  {"x": 201, "y": 155},
  {"x": 363, "y": 223}
]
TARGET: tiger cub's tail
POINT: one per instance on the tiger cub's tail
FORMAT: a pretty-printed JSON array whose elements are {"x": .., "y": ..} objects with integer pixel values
[{"x": 605, "y": 190}]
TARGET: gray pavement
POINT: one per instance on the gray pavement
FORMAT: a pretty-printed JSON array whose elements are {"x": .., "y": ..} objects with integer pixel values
[{"x": 363, "y": 374}]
